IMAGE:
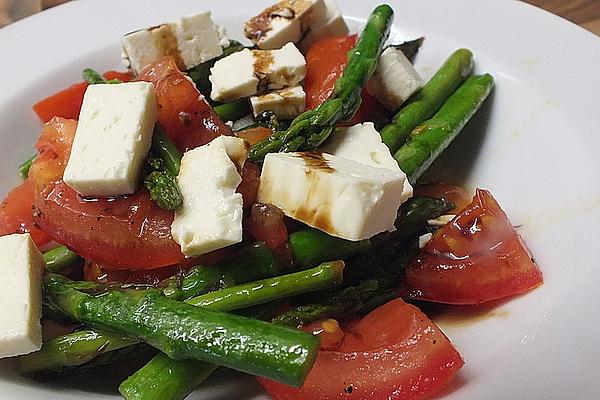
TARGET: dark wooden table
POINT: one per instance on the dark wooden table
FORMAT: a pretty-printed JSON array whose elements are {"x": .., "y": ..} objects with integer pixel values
[{"x": 585, "y": 13}]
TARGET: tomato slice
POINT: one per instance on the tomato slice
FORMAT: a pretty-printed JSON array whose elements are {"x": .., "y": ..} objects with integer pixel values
[
  {"x": 477, "y": 257},
  {"x": 125, "y": 232},
  {"x": 326, "y": 60},
  {"x": 395, "y": 352},
  {"x": 182, "y": 111},
  {"x": 254, "y": 135},
  {"x": 67, "y": 102},
  {"x": 16, "y": 215},
  {"x": 248, "y": 187}
]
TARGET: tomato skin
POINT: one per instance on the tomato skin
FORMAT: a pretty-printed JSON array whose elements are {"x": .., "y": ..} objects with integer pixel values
[
  {"x": 187, "y": 118},
  {"x": 248, "y": 187},
  {"x": 67, "y": 102},
  {"x": 16, "y": 215},
  {"x": 254, "y": 135},
  {"x": 395, "y": 352},
  {"x": 326, "y": 60},
  {"x": 477, "y": 257},
  {"x": 126, "y": 232}
]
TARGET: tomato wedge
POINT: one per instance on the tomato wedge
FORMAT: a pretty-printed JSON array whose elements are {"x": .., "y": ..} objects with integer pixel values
[
  {"x": 395, "y": 352},
  {"x": 182, "y": 111},
  {"x": 326, "y": 60},
  {"x": 477, "y": 257},
  {"x": 16, "y": 215},
  {"x": 126, "y": 232},
  {"x": 67, "y": 102}
]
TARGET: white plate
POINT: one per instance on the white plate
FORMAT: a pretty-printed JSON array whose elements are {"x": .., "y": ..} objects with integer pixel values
[{"x": 535, "y": 145}]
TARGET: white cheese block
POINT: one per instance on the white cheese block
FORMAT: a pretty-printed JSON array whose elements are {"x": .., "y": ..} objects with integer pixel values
[
  {"x": 362, "y": 143},
  {"x": 281, "y": 68},
  {"x": 249, "y": 72},
  {"x": 394, "y": 80},
  {"x": 341, "y": 197},
  {"x": 441, "y": 220},
  {"x": 232, "y": 77},
  {"x": 327, "y": 23},
  {"x": 211, "y": 215},
  {"x": 286, "y": 21},
  {"x": 21, "y": 268},
  {"x": 285, "y": 103},
  {"x": 424, "y": 240},
  {"x": 191, "y": 40},
  {"x": 112, "y": 139}
]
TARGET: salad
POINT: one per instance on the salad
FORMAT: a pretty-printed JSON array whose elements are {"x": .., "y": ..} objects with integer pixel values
[{"x": 255, "y": 207}]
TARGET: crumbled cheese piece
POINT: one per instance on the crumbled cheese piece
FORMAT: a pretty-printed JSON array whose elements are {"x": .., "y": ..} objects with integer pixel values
[
  {"x": 21, "y": 268},
  {"x": 249, "y": 72},
  {"x": 285, "y": 103},
  {"x": 424, "y": 240},
  {"x": 191, "y": 40},
  {"x": 112, "y": 139},
  {"x": 211, "y": 215},
  {"x": 339, "y": 196},
  {"x": 441, "y": 220},
  {"x": 394, "y": 80}
]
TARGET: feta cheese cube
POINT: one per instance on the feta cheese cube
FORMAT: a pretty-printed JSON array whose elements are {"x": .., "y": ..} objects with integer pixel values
[
  {"x": 285, "y": 103},
  {"x": 286, "y": 21},
  {"x": 191, "y": 40},
  {"x": 249, "y": 72},
  {"x": 394, "y": 80},
  {"x": 211, "y": 215},
  {"x": 281, "y": 68},
  {"x": 362, "y": 143},
  {"x": 326, "y": 23},
  {"x": 441, "y": 220},
  {"x": 112, "y": 139},
  {"x": 232, "y": 77},
  {"x": 342, "y": 197},
  {"x": 21, "y": 268}
]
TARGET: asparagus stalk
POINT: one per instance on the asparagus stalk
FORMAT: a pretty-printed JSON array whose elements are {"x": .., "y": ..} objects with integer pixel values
[
  {"x": 312, "y": 127},
  {"x": 248, "y": 264},
  {"x": 164, "y": 148},
  {"x": 183, "y": 376},
  {"x": 430, "y": 138},
  {"x": 232, "y": 111},
  {"x": 429, "y": 99},
  {"x": 74, "y": 349},
  {"x": 185, "y": 332},
  {"x": 60, "y": 258}
]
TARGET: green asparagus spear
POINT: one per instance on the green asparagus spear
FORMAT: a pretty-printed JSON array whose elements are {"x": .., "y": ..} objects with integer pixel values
[
  {"x": 430, "y": 138},
  {"x": 163, "y": 148},
  {"x": 164, "y": 378},
  {"x": 312, "y": 127},
  {"x": 76, "y": 348},
  {"x": 232, "y": 111},
  {"x": 163, "y": 190},
  {"x": 185, "y": 332},
  {"x": 322, "y": 277},
  {"x": 429, "y": 99},
  {"x": 60, "y": 258},
  {"x": 311, "y": 247},
  {"x": 24, "y": 168},
  {"x": 148, "y": 383},
  {"x": 248, "y": 264},
  {"x": 162, "y": 166}
]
